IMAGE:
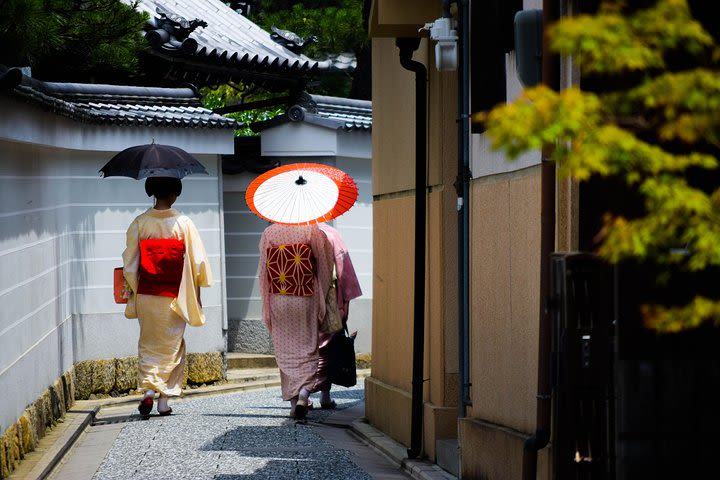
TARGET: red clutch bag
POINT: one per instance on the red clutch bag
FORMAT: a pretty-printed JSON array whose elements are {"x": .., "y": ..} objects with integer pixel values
[{"x": 120, "y": 291}]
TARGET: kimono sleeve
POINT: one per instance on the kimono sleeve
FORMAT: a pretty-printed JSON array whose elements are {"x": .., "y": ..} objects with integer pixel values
[
  {"x": 202, "y": 274},
  {"x": 196, "y": 273},
  {"x": 131, "y": 255},
  {"x": 324, "y": 259},
  {"x": 263, "y": 280},
  {"x": 131, "y": 262}
]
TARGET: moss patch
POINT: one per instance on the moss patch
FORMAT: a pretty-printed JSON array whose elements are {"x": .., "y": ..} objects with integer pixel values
[
  {"x": 204, "y": 368},
  {"x": 92, "y": 378},
  {"x": 363, "y": 361},
  {"x": 22, "y": 437},
  {"x": 83, "y": 379},
  {"x": 126, "y": 374},
  {"x": 25, "y": 435}
]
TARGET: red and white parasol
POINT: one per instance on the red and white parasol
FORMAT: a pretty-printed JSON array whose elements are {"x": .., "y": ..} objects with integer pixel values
[{"x": 301, "y": 194}]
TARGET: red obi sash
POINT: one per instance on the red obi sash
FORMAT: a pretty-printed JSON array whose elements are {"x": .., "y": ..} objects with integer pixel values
[
  {"x": 290, "y": 269},
  {"x": 161, "y": 266}
]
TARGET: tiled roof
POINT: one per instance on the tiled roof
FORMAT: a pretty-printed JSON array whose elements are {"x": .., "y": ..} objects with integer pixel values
[
  {"x": 219, "y": 43},
  {"x": 115, "y": 104},
  {"x": 353, "y": 114},
  {"x": 330, "y": 112}
]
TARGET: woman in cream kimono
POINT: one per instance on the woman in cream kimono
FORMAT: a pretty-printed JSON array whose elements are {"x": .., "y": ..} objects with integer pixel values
[
  {"x": 165, "y": 265},
  {"x": 294, "y": 305}
]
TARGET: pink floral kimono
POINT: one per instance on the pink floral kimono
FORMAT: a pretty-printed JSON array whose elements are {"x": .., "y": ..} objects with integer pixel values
[{"x": 292, "y": 312}]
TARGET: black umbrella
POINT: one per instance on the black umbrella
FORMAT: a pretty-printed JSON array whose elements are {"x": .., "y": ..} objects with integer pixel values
[{"x": 152, "y": 160}]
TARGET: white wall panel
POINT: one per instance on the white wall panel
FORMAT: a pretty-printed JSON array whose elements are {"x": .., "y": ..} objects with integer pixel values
[{"x": 62, "y": 231}]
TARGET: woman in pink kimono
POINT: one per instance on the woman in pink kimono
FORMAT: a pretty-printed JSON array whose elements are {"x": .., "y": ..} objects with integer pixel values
[
  {"x": 348, "y": 288},
  {"x": 294, "y": 272},
  {"x": 165, "y": 265}
]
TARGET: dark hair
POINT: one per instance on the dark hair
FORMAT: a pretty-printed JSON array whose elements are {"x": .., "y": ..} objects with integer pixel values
[{"x": 163, "y": 187}]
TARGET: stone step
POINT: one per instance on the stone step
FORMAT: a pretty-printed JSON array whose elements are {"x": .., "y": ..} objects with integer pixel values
[
  {"x": 269, "y": 375},
  {"x": 250, "y": 360},
  {"x": 447, "y": 452},
  {"x": 242, "y": 375}
]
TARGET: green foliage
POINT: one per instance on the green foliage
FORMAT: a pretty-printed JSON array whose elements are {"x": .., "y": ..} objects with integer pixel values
[
  {"x": 337, "y": 24},
  {"x": 71, "y": 40},
  {"x": 227, "y": 95},
  {"x": 652, "y": 129}
]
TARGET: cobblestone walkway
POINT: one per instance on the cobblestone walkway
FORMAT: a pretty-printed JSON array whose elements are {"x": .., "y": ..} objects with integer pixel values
[{"x": 235, "y": 436}]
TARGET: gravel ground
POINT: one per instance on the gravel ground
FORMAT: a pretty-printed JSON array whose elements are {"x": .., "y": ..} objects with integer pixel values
[{"x": 246, "y": 435}]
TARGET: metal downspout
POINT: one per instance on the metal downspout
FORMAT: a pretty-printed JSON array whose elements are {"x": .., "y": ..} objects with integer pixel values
[
  {"x": 550, "y": 77},
  {"x": 462, "y": 186},
  {"x": 407, "y": 46}
]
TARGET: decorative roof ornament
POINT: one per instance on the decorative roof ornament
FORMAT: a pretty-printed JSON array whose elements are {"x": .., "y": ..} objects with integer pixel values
[
  {"x": 303, "y": 104},
  {"x": 292, "y": 41},
  {"x": 230, "y": 47},
  {"x": 172, "y": 31}
]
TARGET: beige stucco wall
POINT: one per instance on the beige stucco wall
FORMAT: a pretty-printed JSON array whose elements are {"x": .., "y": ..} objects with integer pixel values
[
  {"x": 388, "y": 397},
  {"x": 505, "y": 228},
  {"x": 504, "y": 269},
  {"x": 505, "y": 275},
  {"x": 388, "y": 388},
  {"x": 491, "y": 452},
  {"x": 393, "y": 142}
]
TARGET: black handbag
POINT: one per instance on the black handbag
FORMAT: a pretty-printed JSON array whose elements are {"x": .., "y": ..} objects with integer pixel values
[{"x": 341, "y": 362}]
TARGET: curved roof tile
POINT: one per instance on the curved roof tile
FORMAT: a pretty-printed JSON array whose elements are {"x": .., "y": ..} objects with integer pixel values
[
  {"x": 119, "y": 104},
  {"x": 229, "y": 36}
]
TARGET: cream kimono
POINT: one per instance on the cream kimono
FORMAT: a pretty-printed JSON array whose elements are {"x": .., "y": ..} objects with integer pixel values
[{"x": 161, "y": 346}]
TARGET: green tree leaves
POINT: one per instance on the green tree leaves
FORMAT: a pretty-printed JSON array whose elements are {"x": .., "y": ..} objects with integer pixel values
[
  {"x": 650, "y": 121},
  {"x": 225, "y": 95},
  {"x": 70, "y": 40},
  {"x": 337, "y": 24}
]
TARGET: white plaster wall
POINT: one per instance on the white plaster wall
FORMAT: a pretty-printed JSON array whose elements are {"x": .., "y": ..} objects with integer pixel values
[
  {"x": 299, "y": 139},
  {"x": 62, "y": 230},
  {"x": 355, "y": 226}
]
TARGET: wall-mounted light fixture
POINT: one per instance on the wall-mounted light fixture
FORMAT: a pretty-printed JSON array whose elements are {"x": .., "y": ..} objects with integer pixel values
[{"x": 443, "y": 32}]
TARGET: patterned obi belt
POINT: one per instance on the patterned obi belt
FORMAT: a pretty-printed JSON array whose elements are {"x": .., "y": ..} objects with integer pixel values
[
  {"x": 291, "y": 269},
  {"x": 161, "y": 266}
]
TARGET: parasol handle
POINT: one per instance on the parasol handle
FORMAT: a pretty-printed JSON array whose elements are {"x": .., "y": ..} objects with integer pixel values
[{"x": 300, "y": 181}]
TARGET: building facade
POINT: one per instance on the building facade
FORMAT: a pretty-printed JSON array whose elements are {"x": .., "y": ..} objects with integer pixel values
[{"x": 478, "y": 386}]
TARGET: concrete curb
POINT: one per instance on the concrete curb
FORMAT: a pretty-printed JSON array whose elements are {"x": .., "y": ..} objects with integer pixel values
[
  {"x": 83, "y": 420},
  {"x": 397, "y": 453},
  {"x": 52, "y": 448}
]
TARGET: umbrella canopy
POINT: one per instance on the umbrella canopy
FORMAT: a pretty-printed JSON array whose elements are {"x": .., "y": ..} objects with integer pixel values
[
  {"x": 301, "y": 194},
  {"x": 152, "y": 160}
]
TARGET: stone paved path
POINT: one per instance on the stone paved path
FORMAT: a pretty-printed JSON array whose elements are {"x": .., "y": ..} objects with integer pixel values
[{"x": 245, "y": 435}]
